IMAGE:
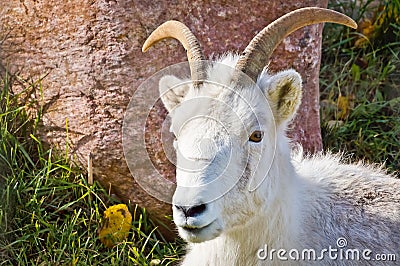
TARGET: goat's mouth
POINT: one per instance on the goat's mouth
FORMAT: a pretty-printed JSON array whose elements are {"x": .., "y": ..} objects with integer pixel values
[
  {"x": 195, "y": 229},
  {"x": 200, "y": 234}
]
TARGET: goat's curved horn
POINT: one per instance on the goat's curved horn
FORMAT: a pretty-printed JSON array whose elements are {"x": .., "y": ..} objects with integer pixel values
[
  {"x": 179, "y": 31},
  {"x": 257, "y": 53}
]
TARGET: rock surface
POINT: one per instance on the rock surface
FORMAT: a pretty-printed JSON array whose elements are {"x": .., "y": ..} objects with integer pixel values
[{"x": 90, "y": 55}]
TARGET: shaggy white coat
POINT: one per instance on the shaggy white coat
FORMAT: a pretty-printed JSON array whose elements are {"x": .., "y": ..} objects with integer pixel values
[{"x": 267, "y": 193}]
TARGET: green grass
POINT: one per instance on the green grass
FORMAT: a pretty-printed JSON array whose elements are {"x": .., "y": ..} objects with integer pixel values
[
  {"x": 49, "y": 214},
  {"x": 368, "y": 77}
]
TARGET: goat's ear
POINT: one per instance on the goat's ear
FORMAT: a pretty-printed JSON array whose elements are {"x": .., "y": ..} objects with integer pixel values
[
  {"x": 172, "y": 91},
  {"x": 284, "y": 93}
]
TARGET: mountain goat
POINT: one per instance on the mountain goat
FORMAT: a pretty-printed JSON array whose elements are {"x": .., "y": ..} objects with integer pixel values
[{"x": 244, "y": 196}]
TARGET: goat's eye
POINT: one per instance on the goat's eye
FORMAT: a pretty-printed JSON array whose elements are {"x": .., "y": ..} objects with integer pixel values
[{"x": 256, "y": 136}]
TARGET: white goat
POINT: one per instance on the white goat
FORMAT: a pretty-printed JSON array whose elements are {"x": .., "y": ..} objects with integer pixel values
[{"x": 243, "y": 197}]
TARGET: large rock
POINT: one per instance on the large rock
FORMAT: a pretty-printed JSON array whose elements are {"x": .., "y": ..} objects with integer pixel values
[{"x": 90, "y": 55}]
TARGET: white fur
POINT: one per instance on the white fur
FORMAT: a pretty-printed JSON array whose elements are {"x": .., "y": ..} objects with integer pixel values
[{"x": 285, "y": 199}]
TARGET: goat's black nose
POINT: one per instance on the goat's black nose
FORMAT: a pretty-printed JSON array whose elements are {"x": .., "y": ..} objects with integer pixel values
[{"x": 192, "y": 211}]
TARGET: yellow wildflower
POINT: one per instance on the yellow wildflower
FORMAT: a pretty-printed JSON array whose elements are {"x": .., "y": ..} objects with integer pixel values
[{"x": 116, "y": 225}]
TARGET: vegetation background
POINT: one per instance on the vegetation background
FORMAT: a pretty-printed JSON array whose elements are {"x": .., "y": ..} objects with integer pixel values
[{"x": 50, "y": 215}]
